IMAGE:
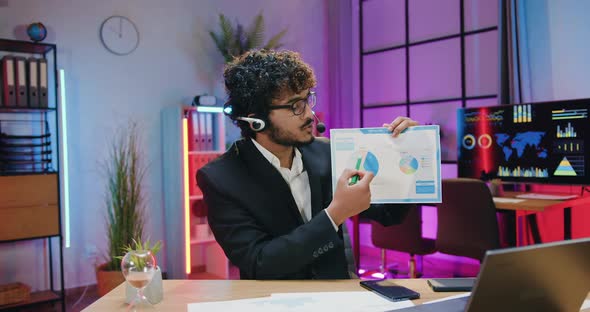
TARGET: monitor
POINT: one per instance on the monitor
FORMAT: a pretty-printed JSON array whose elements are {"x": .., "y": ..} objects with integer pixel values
[{"x": 535, "y": 142}]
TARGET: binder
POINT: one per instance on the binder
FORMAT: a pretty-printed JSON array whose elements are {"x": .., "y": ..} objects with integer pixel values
[
  {"x": 190, "y": 130},
  {"x": 43, "y": 102},
  {"x": 8, "y": 82},
  {"x": 20, "y": 77},
  {"x": 194, "y": 137},
  {"x": 202, "y": 132},
  {"x": 33, "y": 81},
  {"x": 209, "y": 131}
]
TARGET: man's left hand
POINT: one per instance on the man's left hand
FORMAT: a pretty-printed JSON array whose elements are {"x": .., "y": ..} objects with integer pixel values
[{"x": 400, "y": 124}]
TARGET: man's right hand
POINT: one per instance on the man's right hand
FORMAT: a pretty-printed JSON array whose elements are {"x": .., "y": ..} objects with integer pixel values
[{"x": 350, "y": 200}]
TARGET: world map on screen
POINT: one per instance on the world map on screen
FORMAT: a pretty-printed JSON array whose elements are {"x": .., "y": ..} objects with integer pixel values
[{"x": 519, "y": 142}]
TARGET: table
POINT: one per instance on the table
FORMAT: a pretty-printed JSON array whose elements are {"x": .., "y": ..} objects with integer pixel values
[
  {"x": 529, "y": 207},
  {"x": 178, "y": 293}
]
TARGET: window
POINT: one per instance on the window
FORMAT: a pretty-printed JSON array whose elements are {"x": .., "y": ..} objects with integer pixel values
[{"x": 425, "y": 59}]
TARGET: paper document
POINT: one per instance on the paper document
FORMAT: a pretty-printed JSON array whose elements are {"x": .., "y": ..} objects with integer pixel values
[
  {"x": 545, "y": 196},
  {"x": 467, "y": 294},
  {"x": 507, "y": 200},
  {"x": 361, "y": 301},
  {"x": 406, "y": 168}
]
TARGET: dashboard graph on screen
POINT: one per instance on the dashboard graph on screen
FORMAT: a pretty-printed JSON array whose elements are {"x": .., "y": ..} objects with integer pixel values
[{"x": 538, "y": 142}]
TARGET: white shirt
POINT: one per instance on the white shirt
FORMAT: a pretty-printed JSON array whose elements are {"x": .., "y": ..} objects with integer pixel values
[{"x": 297, "y": 179}]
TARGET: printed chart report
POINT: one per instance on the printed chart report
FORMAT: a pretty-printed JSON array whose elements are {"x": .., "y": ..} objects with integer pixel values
[{"x": 406, "y": 168}]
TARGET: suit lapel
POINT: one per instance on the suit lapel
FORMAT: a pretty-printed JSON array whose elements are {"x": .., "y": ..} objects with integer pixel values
[{"x": 269, "y": 179}]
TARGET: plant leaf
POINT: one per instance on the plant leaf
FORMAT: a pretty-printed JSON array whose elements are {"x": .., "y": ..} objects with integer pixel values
[
  {"x": 274, "y": 42},
  {"x": 218, "y": 41},
  {"x": 233, "y": 42},
  {"x": 255, "y": 33},
  {"x": 124, "y": 199},
  {"x": 227, "y": 36}
]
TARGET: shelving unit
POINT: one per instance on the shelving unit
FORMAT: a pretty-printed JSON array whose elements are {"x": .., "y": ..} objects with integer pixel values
[
  {"x": 30, "y": 181},
  {"x": 191, "y": 138}
]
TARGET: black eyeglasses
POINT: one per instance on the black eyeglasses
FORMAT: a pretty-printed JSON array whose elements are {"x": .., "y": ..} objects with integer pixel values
[{"x": 298, "y": 105}]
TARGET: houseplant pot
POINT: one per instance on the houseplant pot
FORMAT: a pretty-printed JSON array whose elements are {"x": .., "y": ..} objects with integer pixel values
[{"x": 107, "y": 280}]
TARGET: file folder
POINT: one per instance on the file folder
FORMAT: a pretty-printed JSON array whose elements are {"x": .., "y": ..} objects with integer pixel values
[
  {"x": 8, "y": 82},
  {"x": 43, "y": 101},
  {"x": 21, "y": 81},
  {"x": 188, "y": 115},
  {"x": 194, "y": 137},
  {"x": 202, "y": 132},
  {"x": 33, "y": 82},
  {"x": 209, "y": 132}
]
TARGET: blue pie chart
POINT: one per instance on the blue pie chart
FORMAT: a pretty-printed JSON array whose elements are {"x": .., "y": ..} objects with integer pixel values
[{"x": 371, "y": 163}]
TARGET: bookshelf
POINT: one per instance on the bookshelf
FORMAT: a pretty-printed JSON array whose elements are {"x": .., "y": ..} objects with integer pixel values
[
  {"x": 191, "y": 138},
  {"x": 30, "y": 179}
]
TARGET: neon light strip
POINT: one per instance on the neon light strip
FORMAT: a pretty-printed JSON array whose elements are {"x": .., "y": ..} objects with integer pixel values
[
  {"x": 64, "y": 142},
  {"x": 187, "y": 231},
  {"x": 209, "y": 109}
]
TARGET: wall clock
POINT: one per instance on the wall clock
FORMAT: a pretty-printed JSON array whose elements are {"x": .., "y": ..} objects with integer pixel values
[{"x": 119, "y": 35}]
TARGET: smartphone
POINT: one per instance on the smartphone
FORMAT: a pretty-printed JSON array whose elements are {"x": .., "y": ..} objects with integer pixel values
[
  {"x": 451, "y": 284},
  {"x": 390, "y": 290}
]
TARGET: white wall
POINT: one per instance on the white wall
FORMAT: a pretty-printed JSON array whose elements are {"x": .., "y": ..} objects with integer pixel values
[
  {"x": 557, "y": 49},
  {"x": 569, "y": 29},
  {"x": 176, "y": 60}
]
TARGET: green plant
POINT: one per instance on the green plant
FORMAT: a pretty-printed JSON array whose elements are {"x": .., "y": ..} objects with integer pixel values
[
  {"x": 235, "y": 41},
  {"x": 124, "y": 197},
  {"x": 138, "y": 245}
]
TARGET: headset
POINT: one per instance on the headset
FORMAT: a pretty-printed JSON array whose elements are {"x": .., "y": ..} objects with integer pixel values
[{"x": 258, "y": 124}]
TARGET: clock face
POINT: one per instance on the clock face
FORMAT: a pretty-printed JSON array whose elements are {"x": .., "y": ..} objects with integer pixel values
[{"x": 119, "y": 35}]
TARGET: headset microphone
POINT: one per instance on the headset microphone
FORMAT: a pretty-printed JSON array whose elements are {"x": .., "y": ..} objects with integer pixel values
[
  {"x": 319, "y": 126},
  {"x": 256, "y": 124}
]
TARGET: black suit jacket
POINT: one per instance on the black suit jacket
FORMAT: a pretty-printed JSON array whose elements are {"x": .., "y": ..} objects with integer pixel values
[{"x": 256, "y": 221}]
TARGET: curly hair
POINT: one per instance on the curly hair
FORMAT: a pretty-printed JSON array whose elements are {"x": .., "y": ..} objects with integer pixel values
[{"x": 257, "y": 77}]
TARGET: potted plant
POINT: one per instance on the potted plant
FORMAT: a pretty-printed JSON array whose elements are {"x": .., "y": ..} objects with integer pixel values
[
  {"x": 235, "y": 41},
  {"x": 124, "y": 205}
]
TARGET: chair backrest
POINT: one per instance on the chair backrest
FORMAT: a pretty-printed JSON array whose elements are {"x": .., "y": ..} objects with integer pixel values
[
  {"x": 467, "y": 224},
  {"x": 404, "y": 237}
]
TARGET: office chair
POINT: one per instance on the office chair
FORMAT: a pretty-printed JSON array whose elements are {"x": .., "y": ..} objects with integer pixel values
[
  {"x": 404, "y": 237},
  {"x": 467, "y": 224}
]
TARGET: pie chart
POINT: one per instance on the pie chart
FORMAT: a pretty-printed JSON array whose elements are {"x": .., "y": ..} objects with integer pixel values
[
  {"x": 408, "y": 164},
  {"x": 371, "y": 163},
  {"x": 364, "y": 160}
]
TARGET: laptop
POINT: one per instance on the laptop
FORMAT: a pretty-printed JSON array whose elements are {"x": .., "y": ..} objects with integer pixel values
[{"x": 545, "y": 277}]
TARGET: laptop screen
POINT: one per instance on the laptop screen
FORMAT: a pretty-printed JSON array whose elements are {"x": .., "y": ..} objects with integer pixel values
[{"x": 545, "y": 277}]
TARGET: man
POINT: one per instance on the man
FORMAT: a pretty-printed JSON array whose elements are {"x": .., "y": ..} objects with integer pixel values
[{"x": 270, "y": 195}]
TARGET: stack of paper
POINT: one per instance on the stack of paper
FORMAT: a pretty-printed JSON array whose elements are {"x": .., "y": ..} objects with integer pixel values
[{"x": 361, "y": 301}]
